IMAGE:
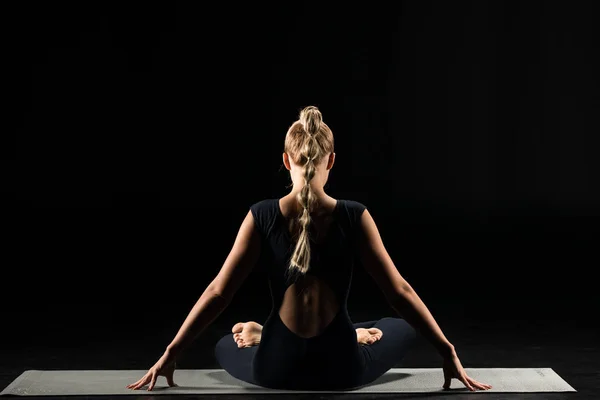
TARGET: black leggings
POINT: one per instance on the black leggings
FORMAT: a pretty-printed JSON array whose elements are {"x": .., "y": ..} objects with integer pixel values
[{"x": 333, "y": 360}]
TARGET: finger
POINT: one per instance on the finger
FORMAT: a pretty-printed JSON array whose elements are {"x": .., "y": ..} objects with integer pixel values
[
  {"x": 479, "y": 385},
  {"x": 473, "y": 382},
  {"x": 139, "y": 383},
  {"x": 143, "y": 383},
  {"x": 131, "y": 385},
  {"x": 152, "y": 382},
  {"x": 446, "y": 381},
  {"x": 464, "y": 379},
  {"x": 170, "y": 380}
]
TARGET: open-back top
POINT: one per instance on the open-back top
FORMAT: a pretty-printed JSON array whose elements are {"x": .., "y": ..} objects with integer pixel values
[{"x": 325, "y": 287}]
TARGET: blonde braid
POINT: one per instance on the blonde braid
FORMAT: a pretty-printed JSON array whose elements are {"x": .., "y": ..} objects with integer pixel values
[{"x": 311, "y": 120}]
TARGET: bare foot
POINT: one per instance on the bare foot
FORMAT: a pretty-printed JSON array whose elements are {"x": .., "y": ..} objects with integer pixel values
[
  {"x": 247, "y": 334},
  {"x": 368, "y": 336}
]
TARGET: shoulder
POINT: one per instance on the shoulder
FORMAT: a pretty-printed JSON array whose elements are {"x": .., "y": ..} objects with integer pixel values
[
  {"x": 352, "y": 209},
  {"x": 262, "y": 204},
  {"x": 266, "y": 207},
  {"x": 264, "y": 212},
  {"x": 352, "y": 206}
]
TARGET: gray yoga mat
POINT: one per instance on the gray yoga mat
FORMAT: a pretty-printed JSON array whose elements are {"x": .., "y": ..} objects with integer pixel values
[{"x": 218, "y": 381}]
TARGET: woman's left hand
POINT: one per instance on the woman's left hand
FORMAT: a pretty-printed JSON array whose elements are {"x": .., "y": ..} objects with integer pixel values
[{"x": 165, "y": 366}]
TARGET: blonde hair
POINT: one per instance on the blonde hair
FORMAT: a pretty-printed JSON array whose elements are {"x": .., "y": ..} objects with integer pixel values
[{"x": 307, "y": 140}]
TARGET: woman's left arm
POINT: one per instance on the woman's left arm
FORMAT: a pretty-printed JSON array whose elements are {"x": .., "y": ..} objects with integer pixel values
[
  {"x": 215, "y": 298},
  {"x": 237, "y": 266}
]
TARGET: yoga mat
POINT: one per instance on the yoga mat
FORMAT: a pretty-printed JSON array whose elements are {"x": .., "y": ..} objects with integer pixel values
[{"x": 218, "y": 381}]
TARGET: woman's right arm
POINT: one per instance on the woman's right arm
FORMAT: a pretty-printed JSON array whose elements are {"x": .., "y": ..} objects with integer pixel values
[
  {"x": 407, "y": 303},
  {"x": 398, "y": 292}
]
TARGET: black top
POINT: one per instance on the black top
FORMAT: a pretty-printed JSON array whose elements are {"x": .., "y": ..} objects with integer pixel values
[{"x": 332, "y": 260}]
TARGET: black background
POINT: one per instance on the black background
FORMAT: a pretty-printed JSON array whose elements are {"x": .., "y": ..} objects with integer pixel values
[{"x": 144, "y": 131}]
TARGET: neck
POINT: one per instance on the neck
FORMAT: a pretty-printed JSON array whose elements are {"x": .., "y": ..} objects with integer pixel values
[{"x": 318, "y": 192}]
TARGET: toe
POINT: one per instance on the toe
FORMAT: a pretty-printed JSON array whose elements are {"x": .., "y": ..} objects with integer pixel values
[
  {"x": 376, "y": 333},
  {"x": 237, "y": 328},
  {"x": 253, "y": 326}
]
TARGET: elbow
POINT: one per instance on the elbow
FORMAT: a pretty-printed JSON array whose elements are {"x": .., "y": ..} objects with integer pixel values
[
  {"x": 401, "y": 293},
  {"x": 213, "y": 291},
  {"x": 405, "y": 289}
]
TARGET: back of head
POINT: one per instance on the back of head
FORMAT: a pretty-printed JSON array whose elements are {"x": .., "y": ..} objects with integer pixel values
[{"x": 308, "y": 139}]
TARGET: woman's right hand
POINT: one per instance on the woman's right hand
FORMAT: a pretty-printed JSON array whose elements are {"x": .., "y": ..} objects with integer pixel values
[{"x": 454, "y": 369}]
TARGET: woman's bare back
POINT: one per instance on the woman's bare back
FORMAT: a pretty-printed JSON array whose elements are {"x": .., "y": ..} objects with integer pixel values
[{"x": 309, "y": 305}]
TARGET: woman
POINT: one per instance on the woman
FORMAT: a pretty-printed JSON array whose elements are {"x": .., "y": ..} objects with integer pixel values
[{"x": 310, "y": 241}]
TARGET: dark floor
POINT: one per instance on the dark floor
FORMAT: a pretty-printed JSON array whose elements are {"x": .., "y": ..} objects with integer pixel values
[{"x": 571, "y": 348}]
